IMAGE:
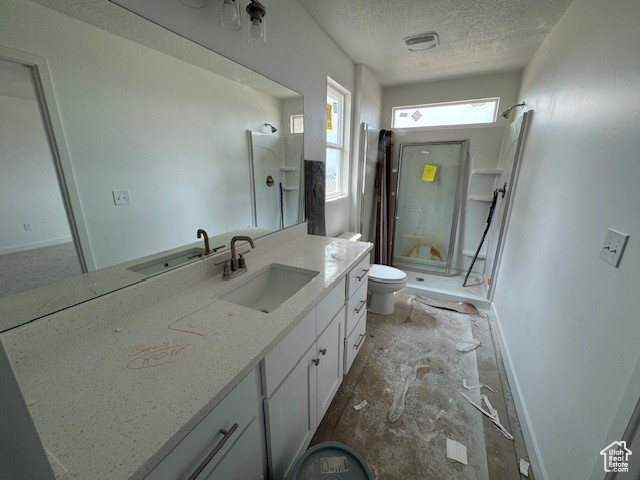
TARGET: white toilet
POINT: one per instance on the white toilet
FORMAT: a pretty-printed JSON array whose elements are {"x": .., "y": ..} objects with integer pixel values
[{"x": 384, "y": 282}]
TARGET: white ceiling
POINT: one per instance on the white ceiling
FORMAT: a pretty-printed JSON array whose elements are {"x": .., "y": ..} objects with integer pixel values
[
  {"x": 476, "y": 36},
  {"x": 111, "y": 17}
]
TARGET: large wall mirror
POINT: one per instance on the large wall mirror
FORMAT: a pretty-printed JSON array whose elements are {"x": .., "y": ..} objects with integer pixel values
[{"x": 120, "y": 140}]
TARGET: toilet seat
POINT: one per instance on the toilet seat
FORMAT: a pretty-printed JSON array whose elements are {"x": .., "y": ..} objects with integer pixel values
[{"x": 386, "y": 274}]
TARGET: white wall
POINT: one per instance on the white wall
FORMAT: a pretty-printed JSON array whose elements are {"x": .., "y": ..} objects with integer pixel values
[
  {"x": 367, "y": 109},
  {"x": 135, "y": 119},
  {"x": 29, "y": 190},
  {"x": 571, "y": 321},
  {"x": 503, "y": 85}
]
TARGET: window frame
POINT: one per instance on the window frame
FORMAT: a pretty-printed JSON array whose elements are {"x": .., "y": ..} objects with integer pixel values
[
  {"x": 342, "y": 146},
  {"x": 496, "y": 109},
  {"x": 292, "y": 120}
]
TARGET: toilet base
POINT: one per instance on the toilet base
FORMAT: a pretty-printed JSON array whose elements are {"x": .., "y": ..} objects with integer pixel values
[{"x": 381, "y": 303}]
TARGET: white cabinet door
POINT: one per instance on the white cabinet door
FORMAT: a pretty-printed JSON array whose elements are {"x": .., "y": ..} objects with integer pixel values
[
  {"x": 330, "y": 365},
  {"x": 243, "y": 461},
  {"x": 291, "y": 416}
]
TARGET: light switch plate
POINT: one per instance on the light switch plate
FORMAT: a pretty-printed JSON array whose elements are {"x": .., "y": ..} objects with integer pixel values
[
  {"x": 121, "y": 197},
  {"x": 613, "y": 247}
]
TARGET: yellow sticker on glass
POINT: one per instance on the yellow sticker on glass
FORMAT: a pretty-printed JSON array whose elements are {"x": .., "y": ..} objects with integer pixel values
[
  {"x": 429, "y": 173},
  {"x": 329, "y": 116}
]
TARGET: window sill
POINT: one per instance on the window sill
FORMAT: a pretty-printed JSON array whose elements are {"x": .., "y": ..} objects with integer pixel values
[{"x": 333, "y": 198}]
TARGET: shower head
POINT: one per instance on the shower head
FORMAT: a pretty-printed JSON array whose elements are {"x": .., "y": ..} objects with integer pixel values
[
  {"x": 273, "y": 129},
  {"x": 507, "y": 112}
]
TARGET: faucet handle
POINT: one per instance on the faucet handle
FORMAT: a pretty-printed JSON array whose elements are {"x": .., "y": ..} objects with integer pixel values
[
  {"x": 226, "y": 268},
  {"x": 241, "y": 261}
]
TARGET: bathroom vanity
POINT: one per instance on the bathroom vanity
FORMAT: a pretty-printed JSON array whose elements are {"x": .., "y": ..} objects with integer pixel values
[{"x": 175, "y": 377}]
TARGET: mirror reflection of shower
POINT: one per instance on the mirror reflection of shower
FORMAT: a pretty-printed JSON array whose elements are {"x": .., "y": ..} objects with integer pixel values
[{"x": 275, "y": 168}]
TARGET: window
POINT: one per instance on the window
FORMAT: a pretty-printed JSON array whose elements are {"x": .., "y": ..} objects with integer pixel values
[
  {"x": 337, "y": 158},
  {"x": 465, "y": 112},
  {"x": 296, "y": 123}
]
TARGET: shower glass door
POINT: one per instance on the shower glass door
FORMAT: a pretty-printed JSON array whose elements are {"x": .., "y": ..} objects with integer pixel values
[{"x": 427, "y": 206}]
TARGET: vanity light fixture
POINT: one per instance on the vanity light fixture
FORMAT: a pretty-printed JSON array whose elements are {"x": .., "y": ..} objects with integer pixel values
[
  {"x": 229, "y": 12},
  {"x": 256, "y": 27}
]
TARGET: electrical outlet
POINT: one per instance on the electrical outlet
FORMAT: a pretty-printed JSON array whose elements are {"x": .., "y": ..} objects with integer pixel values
[
  {"x": 121, "y": 197},
  {"x": 613, "y": 247},
  {"x": 27, "y": 225}
]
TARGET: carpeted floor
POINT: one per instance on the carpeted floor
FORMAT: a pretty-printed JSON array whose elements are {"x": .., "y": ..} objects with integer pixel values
[
  {"x": 411, "y": 373},
  {"x": 34, "y": 268}
]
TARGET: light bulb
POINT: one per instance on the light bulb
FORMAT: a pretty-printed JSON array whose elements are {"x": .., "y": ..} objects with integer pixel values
[
  {"x": 256, "y": 29},
  {"x": 228, "y": 11},
  {"x": 229, "y": 14}
]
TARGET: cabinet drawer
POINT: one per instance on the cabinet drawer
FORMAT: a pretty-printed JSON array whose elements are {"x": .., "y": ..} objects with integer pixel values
[
  {"x": 354, "y": 341},
  {"x": 357, "y": 304},
  {"x": 330, "y": 305},
  {"x": 239, "y": 407},
  {"x": 284, "y": 356},
  {"x": 243, "y": 461},
  {"x": 358, "y": 276}
]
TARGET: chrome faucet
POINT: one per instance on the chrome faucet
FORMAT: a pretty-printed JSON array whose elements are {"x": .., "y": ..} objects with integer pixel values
[{"x": 236, "y": 264}]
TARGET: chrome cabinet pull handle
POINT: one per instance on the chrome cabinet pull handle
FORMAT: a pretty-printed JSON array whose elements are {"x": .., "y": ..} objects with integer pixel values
[
  {"x": 360, "y": 306},
  {"x": 227, "y": 435},
  {"x": 316, "y": 361},
  {"x": 364, "y": 274},
  {"x": 323, "y": 351},
  {"x": 359, "y": 344}
]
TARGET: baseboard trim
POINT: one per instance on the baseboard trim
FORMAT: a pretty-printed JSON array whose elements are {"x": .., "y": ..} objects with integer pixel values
[
  {"x": 537, "y": 464},
  {"x": 31, "y": 246}
]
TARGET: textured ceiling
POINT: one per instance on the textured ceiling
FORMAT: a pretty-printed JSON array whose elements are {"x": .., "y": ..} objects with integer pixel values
[{"x": 476, "y": 36}]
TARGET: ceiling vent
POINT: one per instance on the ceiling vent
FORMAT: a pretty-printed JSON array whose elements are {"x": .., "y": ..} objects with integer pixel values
[{"x": 424, "y": 41}]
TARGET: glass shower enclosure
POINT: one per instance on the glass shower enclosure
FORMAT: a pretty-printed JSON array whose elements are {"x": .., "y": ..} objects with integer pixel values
[{"x": 429, "y": 190}]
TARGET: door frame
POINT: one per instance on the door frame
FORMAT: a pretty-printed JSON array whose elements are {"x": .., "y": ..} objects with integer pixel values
[
  {"x": 464, "y": 154},
  {"x": 508, "y": 202},
  {"x": 45, "y": 98}
]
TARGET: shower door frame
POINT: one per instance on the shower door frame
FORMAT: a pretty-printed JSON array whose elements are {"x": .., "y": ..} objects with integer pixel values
[{"x": 464, "y": 154}]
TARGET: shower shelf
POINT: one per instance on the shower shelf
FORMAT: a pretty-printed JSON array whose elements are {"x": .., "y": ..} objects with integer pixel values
[
  {"x": 481, "y": 198},
  {"x": 289, "y": 189},
  {"x": 288, "y": 169},
  {"x": 486, "y": 171}
]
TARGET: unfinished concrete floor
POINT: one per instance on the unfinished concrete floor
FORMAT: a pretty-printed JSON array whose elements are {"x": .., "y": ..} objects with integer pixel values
[{"x": 410, "y": 373}]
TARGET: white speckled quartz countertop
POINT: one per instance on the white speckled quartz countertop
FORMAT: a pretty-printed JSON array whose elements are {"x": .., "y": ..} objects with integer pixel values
[{"x": 107, "y": 407}]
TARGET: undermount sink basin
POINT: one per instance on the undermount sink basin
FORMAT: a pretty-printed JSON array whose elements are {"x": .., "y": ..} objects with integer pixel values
[
  {"x": 167, "y": 262},
  {"x": 269, "y": 289}
]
